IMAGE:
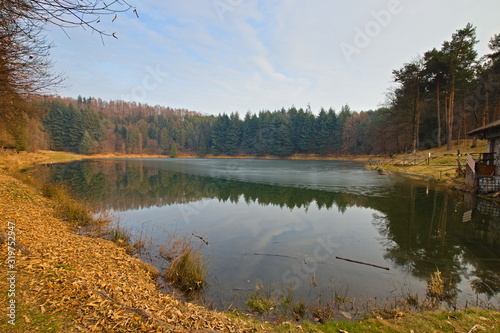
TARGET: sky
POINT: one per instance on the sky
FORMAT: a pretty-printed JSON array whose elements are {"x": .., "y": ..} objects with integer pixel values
[{"x": 223, "y": 56}]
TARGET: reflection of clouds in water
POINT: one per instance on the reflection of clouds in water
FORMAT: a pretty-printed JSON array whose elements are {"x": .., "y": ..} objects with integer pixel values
[{"x": 236, "y": 229}]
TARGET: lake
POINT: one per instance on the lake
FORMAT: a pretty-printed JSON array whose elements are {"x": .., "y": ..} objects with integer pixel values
[{"x": 286, "y": 223}]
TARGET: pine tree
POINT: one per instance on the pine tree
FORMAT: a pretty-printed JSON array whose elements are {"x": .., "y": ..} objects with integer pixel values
[
  {"x": 165, "y": 141},
  {"x": 173, "y": 150},
  {"x": 459, "y": 54},
  {"x": 233, "y": 137},
  {"x": 249, "y": 130},
  {"x": 86, "y": 144}
]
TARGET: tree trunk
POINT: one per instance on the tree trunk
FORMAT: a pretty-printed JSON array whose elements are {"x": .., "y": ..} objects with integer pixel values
[
  {"x": 416, "y": 123},
  {"x": 438, "y": 114},
  {"x": 486, "y": 106},
  {"x": 449, "y": 118}
]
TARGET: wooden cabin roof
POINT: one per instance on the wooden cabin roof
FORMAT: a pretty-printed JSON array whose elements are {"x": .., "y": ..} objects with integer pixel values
[{"x": 490, "y": 131}]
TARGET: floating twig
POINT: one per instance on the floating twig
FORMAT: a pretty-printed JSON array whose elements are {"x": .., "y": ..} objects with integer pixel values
[
  {"x": 201, "y": 238},
  {"x": 363, "y": 263},
  {"x": 270, "y": 255}
]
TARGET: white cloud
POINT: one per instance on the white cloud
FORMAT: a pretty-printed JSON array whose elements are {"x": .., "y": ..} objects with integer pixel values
[{"x": 261, "y": 55}]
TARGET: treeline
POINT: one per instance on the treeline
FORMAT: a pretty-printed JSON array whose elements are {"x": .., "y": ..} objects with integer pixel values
[
  {"x": 437, "y": 98},
  {"x": 93, "y": 126},
  {"x": 89, "y": 125}
]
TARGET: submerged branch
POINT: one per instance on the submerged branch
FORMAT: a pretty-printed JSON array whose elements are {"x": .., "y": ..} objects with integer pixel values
[{"x": 363, "y": 263}]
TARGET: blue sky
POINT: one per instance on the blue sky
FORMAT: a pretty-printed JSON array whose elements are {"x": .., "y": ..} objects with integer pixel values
[{"x": 215, "y": 56}]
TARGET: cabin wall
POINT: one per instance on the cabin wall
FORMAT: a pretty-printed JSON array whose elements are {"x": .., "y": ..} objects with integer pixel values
[{"x": 495, "y": 148}]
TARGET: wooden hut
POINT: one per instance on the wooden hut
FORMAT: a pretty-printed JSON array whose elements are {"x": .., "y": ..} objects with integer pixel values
[{"x": 483, "y": 173}]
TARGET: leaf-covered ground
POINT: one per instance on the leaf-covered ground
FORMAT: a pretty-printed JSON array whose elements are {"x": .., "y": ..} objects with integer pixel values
[{"x": 65, "y": 282}]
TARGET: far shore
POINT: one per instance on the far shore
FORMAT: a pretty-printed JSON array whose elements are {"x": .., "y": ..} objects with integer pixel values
[
  {"x": 436, "y": 165},
  {"x": 355, "y": 158}
]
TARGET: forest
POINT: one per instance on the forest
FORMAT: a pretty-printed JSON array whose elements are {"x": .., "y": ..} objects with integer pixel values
[{"x": 435, "y": 99}]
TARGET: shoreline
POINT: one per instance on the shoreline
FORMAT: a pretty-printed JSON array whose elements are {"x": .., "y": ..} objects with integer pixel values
[
  {"x": 305, "y": 157},
  {"x": 64, "y": 279},
  {"x": 74, "y": 282},
  {"x": 449, "y": 183}
]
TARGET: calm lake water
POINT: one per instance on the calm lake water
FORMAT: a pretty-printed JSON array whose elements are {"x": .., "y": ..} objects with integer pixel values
[{"x": 284, "y": 223}]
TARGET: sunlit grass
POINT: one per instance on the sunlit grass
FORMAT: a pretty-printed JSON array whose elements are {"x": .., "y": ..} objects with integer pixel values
[{"x": 440, "y": 167}]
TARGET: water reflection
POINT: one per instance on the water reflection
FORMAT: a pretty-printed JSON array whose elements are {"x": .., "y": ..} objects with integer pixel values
[
  {"x": 385, "y": 220},
  {"x": 482, "y": 241}
]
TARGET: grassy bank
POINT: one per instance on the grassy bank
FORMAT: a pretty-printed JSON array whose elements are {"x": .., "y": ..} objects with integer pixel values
[
  {"x": 437, "y": 165},
  {"x": 69, "y": 283}
]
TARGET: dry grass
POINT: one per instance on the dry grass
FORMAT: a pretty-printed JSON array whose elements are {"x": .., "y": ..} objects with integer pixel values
[
  {"x": 442, "y": 167},
  {"x": 435, "y": 286},
  {"x": 188, "y": 269},
  {"x": 67, "y": 208}
]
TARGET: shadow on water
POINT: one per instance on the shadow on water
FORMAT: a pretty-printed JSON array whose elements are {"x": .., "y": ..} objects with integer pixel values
[{"x": 417, "y": 229}]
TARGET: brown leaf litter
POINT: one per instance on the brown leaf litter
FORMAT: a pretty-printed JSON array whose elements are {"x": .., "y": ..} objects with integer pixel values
[{"x": 91, "y": 280}]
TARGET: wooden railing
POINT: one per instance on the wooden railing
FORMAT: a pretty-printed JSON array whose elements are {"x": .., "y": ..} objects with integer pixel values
[{"x": 471, "y": 163}]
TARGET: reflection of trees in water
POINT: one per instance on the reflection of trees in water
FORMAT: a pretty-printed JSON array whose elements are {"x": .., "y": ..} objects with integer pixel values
[
  {"x": 482, "y": 239},
  {"x": 122, "y": 186},
  {"x": 424, "y": 233},
  {"x": 421, "y": 228}
]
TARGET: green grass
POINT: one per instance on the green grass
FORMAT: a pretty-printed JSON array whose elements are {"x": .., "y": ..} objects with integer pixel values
[
  {"x": 462, "y": 321},
  {"x": 120, "y": 235},
  {"x": 30, "y": 318},
  {"x": 260, "y": 303}
]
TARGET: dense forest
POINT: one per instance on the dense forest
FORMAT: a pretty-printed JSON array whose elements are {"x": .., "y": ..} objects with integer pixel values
[{"x": 436, "y": 99}]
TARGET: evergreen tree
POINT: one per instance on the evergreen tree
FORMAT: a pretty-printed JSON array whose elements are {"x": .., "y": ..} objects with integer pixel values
[
  {"x": 165, "y": 141},
  {"x": 202, "y": 147},
  {"x": 233, "y": 135},
  {"x": 173, "y": 150},
  {"x": 345, "y": 113},
  {"x": 459, "y": 54},
  {"x": 133, "y": 140},
  {"x": 249, "y": 129},
  {"x": 281, "y": 136},
  {"x": 409, "y": 96},
  {"x": 263, "y": 137},
  {"x": 321, "y": 133},
  {"x": 219, "y": 134},
  {"x": 303, "y": 129},
  {"x": 435, "y": 72},
  {"x": 86, "y": 144}
]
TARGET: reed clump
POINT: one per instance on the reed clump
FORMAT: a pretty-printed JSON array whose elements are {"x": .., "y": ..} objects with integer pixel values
[
  {"x": 261, "y": 300},
  {"x": 188, "y": 268},
  {"x": 435, "y": 286},
  {"x": 120, "y": 235}
]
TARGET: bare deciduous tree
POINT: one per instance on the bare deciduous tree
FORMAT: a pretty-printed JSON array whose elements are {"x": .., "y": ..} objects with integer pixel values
[
  {"x": 25, "y": 65},
  {"x": 65, "y": 13}
]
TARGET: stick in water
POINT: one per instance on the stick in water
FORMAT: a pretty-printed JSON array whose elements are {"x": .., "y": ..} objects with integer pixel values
[{"x": 362, "y": 263}]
